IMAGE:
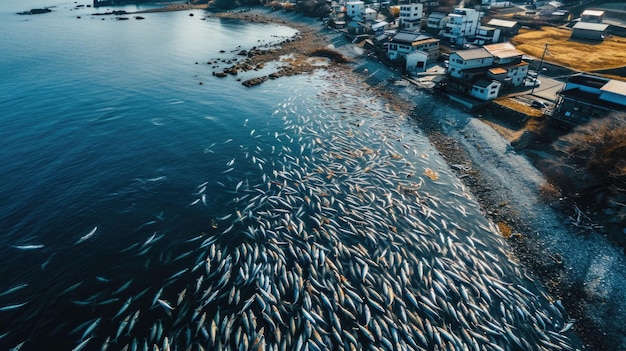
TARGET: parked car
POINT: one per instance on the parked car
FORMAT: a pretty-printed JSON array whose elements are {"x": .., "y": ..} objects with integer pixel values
[
  {"x": 538, "y": 104},
  {"x": 532, "y": 82}
]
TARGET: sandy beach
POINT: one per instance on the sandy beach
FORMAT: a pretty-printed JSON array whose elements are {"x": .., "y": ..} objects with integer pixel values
[{"x": 587, "y": 273}]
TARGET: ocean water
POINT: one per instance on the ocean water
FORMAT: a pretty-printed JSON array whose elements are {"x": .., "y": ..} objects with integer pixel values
[{"x": 140, "y": 207}]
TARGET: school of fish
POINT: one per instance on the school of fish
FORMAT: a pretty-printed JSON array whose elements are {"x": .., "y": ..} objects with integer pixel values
[{"x": 338, "y": 239}]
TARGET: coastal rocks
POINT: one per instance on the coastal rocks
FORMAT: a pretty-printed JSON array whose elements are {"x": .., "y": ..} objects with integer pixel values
[
  {"x": 35, "y": 11},
  {"x": 114, "y": 13},
  {"x": 220, "y": 74},
  {"x": 254, "y": 81},
  {"x": 231, "y": 70}
]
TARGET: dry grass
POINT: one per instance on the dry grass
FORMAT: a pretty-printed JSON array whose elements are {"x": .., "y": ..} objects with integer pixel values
[
  {"x": 518, "y": 106},
  {"x": 601, "y": 147},
  {"x": 576, "y": 54}
]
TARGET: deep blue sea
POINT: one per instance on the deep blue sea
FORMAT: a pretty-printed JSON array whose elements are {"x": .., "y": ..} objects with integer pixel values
[{"x": 146, "y": 202}]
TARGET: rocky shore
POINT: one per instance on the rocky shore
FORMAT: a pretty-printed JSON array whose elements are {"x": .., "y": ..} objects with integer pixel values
[{"x": 587, "y": 273}]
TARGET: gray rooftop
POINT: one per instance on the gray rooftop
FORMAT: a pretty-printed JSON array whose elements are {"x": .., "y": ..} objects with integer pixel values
[
  {"x": 473, "y": 54},
  {"x": 404, "y": 37},
  {"x": 502, "y": 23},
  {"x": 596, "y": 27}
]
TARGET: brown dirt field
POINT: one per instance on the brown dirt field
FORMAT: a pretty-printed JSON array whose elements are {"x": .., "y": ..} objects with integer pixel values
[{"x": 577, "y": 54}]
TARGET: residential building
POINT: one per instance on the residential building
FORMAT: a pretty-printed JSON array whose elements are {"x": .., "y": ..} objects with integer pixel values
[
  {"x": 404, "y": 43},
  {"x": 487, "y": 35},
  {"x": 369, "y": 14},
  {"x": 484, "y": 72},
  {"x": 462, "y": 25},
  {"x": 410, "y": 16},
  {"x": 354, "y": 10},
  {"x": 466, "y": 64},
  {"x": 592, "y": 16},
  {"x": 436, "y": 23},
  {"x": 507, "y": 28},
  {"x": 416, "y": 62},
  {"x": 432, "y": 3},
  {"x": 586, "y": 96},
  {"x": 379, "y": 27},
  {"x": 507, "y": 58},
  {"x": 487, "y": 4},
  {"x": 485, "y": 89},
  {"x": 589, "y": 31}
]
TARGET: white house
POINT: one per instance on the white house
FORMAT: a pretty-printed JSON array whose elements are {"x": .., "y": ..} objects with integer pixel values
[
  {"x": 416, "y": 62},
  {"x": 369, "y": 14},
  {"x": 354, "y": 9},
  {"x": 462, "y": 64},
  {"x": 410, "y": 16},
  {"x": 485, "y": 89},
  {"x": 461, "y": 25},
  {"x": 593, "y": 16},
  {"x": 487, "y": 35}
]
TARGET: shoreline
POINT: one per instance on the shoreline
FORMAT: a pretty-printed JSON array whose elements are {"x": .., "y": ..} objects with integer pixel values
[{"x": 586, "y": 273}]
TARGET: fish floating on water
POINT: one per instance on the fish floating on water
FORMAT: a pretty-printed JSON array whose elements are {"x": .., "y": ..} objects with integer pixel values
[
  {"x": 28, "y": 247},
  {"x": 335, "y": 243},
  {"x": 88, "y": 235}
]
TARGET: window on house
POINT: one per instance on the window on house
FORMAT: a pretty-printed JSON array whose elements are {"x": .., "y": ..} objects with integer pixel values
[{"x": 482, "y": 91}]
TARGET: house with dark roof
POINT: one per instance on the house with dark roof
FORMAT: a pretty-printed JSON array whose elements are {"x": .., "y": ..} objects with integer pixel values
[
  {"x": 404, "y": 43},
  {"x": 589, "y": 30},
  {"x": 485, "y": 89},
  {"x": 585, "y": 97}
]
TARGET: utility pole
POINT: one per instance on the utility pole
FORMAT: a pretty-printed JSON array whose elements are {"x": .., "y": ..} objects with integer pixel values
[{"x": 545, "y": 49}]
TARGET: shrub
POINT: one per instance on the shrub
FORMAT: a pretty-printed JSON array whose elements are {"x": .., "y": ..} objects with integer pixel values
[
  {"x": 600, "y": 148},
  {"x": 331, "y": 54}
]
